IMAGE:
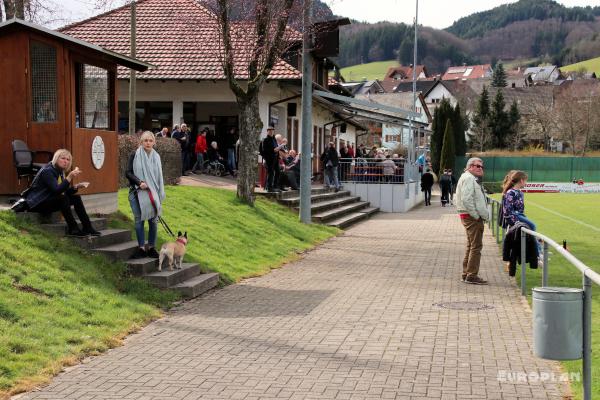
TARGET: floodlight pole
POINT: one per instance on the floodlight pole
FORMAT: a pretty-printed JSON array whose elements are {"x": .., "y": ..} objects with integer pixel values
[
  {"x": 132, "y": 74},
  {"x": 305, "y": 156},
  {"x": 414, "y": 77}
]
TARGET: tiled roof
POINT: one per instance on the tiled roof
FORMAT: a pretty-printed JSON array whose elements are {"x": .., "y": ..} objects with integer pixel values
[
  {"x": 179, "y": 37},
  {"x": 404, "y": 72},
  {"x": 467, "y": 72}
]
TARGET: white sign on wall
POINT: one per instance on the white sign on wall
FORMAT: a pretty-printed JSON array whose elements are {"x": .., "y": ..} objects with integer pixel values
[
  {"x": 549, "y": 187},
  {"x": 98, "y": 152}
]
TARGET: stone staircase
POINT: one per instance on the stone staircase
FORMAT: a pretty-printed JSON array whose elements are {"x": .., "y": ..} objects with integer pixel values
[
  {"x": 340, "y": 209},
  {"x": 116, "y": 244}
]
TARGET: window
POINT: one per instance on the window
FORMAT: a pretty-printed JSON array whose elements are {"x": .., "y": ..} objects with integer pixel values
[
  {"x": 92, "y": 97},
  {"x": 43, "y": 82}
]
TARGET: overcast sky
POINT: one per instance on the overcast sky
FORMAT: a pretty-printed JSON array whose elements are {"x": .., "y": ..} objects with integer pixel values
[{"x": 435, "y": 13}]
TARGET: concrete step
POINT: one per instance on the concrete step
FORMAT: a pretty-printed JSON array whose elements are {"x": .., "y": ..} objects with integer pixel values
[
  {"x": 296, "y": 193},
  {"x": 60, "y": 228},
  {"x": 338, "y": 212},
  {"x": 328, "y": 205},
  {"x": 141, "y": 266},
  {"x": 165, "y": 279},
  {"x": 196, "y": 286},
  {"x": 315, "y": 198},
  {"x": 108, "y": 237},
  {"x": 118, "y": 252},
  {"x": 348, "y": 219},
  {"x": 370, "y": 211}
]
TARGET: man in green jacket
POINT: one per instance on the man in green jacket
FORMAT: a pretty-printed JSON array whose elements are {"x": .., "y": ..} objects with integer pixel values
[{"x": 473, "y": 212}]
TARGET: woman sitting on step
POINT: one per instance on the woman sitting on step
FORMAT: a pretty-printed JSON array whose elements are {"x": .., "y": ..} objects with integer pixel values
[
  {"x": 52, "y": 191},
  {"x": 146, "y": 192}
]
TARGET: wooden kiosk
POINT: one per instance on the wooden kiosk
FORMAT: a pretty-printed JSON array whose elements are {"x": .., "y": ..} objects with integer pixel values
[{"x": 60, "y": 92}]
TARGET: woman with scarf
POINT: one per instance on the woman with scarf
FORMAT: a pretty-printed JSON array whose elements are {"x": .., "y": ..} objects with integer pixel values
[{"x": 146, "y": 193}]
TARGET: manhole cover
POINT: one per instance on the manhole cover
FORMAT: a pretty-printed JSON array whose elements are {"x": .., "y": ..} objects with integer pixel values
[{"x": 464, "y": 305}]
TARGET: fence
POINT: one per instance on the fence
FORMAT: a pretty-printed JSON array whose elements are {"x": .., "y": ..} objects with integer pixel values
[
  {"x": 540, "y": 169},
  {"x": 372, "y": 170},
  {"x": 589, "y": 276}
]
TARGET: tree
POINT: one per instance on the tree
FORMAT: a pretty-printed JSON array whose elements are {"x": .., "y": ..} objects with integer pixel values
[
  {"x": 499, "y": 125},
  {"x": 480, "y": 138},
  {"x": 448, "y": 151},
  {"x": 516, "y": 135},
  {"x": 459, "y": 126},
  {"x": 499, "y": 76},
  {"x": 442, "y": 114},
  {"x": 543, "y": 116}
]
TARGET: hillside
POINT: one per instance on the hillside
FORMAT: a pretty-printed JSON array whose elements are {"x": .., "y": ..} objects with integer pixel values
[
  {"x": 537, "y": 30},
  {"x": 370, "y": 71},
  {"x": 592, "y": 65}
]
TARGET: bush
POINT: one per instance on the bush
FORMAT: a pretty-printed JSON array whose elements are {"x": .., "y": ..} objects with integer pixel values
[
  {"x": 492, "y": 187},
  {"x": 168, "y": 149}
]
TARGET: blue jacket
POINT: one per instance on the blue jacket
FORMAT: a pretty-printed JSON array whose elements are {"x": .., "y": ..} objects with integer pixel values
[{"x": 45, "y": 186}]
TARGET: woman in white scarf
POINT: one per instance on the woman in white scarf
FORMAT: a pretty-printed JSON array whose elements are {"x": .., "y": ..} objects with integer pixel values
[{"x": 146, "y": 193}]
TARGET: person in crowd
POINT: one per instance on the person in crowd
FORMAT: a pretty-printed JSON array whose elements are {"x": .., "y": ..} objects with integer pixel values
[
  {"x": 343, "y": 151},
  {"x": 351, "y": 151},
  {"x": 373, "y": 152},
  {"x": 360, "y": 151},
  {"x": 453, "y": 181},
  {"x": 332, "y": 163},
  {"x": 389, "y": 169},
  {"x": 200, "y": 150},
  {"x": 473, "y": 212},
  {"x": 139, "y": 132},
  {"x": 163, "y": 133},
  {"x": 214, "y": 156},
  {"x": 426, "y": 185},
  {"x": 445, "y": 187},
  {"x": 270, "y": 154},
  {"x": 292, "y": 170},
  {"x": 53, "y": 190},
  {"x": 146, "y": 193},
  {"x": 230, "y": 141},
  {"x": 182, "y": 137}
]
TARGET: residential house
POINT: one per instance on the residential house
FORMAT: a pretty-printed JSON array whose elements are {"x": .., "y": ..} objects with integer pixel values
[
  {"x": 542, "y": 75},
  {"x": 466, "y": 72},
  {"x": 402, "y": 73},
  {"x": 364, "y": 87}
]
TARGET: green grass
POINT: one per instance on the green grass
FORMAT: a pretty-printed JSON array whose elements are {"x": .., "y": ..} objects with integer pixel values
[
  {"x": 59, "y": 303},
  {"x": 592, "y": 65},
  {"x": 233, "y": 239},
  {"x": 583, "y": 242},
  {"x": 370, "y": 71}
]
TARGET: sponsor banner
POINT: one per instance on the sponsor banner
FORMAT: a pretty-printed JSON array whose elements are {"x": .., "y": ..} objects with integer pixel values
[{"x": 551, "y": 187}]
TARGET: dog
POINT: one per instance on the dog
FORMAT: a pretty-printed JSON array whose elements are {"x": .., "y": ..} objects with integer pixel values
[{"x": 174, "y": 251}]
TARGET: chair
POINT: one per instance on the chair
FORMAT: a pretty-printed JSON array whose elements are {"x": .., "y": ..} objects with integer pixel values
[{"x": 23, "y": 159}]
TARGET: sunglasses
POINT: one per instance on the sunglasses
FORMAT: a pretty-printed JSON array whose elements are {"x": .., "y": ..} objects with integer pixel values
[{"x": 477, "y": 166}]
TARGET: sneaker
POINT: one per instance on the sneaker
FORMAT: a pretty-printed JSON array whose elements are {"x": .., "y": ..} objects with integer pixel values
[
  {"x": 76, "y": 232},
  {"x": 92, "y": 231},
  {"x": 336, "y": 190},
  {"x": 152, "y": 253},
  {"x": 475, "y": 280},
  {"x": 463, "y": 277},
  {"x": 139, "y": 253}
]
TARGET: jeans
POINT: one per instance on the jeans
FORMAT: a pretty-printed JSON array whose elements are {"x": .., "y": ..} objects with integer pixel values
[
  {"x": 231, "y": 159},
  {"x": 139, "y": 224},
  {"x": 332, "y": 174},
  {"x": 199, "y": 162},
  {"x": 185, "y": 159},
  {"x": 427, "y": 192}
]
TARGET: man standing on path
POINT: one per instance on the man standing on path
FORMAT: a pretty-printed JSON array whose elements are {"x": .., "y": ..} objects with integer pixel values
[
  {"x": 270, "y": 154},
  {"x": 473, "y": 212}
]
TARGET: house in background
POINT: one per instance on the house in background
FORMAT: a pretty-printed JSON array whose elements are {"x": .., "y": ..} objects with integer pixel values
[
  {"x": 364, "y": 87},
  {"x": 546, "y": 75},
  {"x": 403, "y": 73},
  {"x": 468, "y": 72}
]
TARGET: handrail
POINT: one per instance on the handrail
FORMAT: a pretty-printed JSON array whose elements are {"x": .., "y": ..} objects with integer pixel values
[{"x": 589, "y": 276}]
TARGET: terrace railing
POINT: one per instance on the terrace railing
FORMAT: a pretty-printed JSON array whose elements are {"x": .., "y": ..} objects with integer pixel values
[{"x": 371, "y": 170}]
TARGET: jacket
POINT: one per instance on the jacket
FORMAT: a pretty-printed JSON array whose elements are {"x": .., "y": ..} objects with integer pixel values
[
  {"x": 200, "y": 145},
  {"x": 268, "y": 148},
  {"x": 426, "y": 181},
  {"x": 45, "y": 186},
  {"x": 331, "y": 154},
  {"x": 470, "y": 198},
  {"x": 511, "y": 249},
  {"x": 134, "y": 181}
]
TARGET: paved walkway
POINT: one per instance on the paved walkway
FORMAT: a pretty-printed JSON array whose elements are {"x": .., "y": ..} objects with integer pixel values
[{"x": 354, "y": 319}]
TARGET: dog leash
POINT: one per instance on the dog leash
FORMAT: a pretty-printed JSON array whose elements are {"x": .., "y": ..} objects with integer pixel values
[{"x": 160, "y": 219}]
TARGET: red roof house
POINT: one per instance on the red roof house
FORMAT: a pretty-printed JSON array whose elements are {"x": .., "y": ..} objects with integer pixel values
[{"x": 465, "y": 72}]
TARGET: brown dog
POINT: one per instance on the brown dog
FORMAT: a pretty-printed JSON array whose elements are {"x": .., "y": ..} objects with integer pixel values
[{"x": 174, "y": 251}]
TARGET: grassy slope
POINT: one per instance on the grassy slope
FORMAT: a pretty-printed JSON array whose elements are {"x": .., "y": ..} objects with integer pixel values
[
  {"x": 592, "y": 65},
  {"x": 583, "y": 243},
  {"x": 233, "y": 239},
  {"x": 370, "y": 71},
  {"x": 59, "y": 303}
]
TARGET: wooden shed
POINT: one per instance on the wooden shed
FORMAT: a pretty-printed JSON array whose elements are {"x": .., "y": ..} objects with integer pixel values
[{"x": 60, "y": 92}]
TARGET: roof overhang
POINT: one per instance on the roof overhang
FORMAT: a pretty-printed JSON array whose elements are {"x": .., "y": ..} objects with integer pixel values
[{"x": 117, "y": 58}]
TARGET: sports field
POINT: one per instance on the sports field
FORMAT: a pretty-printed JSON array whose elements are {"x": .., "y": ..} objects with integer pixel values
[{"x": 576, "y": 219}]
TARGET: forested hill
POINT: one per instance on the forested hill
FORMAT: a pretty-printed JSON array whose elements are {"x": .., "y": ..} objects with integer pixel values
[
  {"x": 539, "y": 31},
  {"x": 475, "y": 25}
]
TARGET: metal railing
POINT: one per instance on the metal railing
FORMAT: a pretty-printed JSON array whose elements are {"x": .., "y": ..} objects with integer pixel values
[
  {"x": 371, "y": 170},
  {"x": 589, "y": 276}
]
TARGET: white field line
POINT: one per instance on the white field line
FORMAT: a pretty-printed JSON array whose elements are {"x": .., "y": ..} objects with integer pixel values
[{"x": 564, "y": 216}]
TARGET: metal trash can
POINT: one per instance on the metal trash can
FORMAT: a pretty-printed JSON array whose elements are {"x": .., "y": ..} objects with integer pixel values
[{"x": 558, "y": 323}]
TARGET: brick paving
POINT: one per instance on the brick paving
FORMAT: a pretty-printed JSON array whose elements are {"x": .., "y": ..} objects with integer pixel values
[{"x": 354, "y": 319}]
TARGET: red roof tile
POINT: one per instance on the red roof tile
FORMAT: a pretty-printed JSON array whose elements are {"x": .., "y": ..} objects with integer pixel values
[
  {"x": 467, "y": 72},
  {"x": 179, "y": 37},
  {"x": 404, "y": 72}
]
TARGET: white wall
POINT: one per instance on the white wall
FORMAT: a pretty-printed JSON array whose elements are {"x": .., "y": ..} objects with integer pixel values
[
  {"x": 438, "y": 93},
  {"x": 389, "y": 198}
]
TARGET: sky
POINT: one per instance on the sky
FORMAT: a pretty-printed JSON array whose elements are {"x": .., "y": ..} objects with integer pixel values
[{"x": 436, "y": 13}]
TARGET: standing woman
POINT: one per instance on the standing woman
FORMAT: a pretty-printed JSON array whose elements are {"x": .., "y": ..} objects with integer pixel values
[
  {"x": 52, "y": 191},
  {"x": 146, "y": 193}
]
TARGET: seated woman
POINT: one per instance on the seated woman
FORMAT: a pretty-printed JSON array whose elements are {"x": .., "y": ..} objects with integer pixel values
[{"x": 52, "y": 191}]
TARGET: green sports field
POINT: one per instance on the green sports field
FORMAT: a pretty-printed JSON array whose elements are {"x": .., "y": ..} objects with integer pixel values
[{"x": 576, "y": 219}]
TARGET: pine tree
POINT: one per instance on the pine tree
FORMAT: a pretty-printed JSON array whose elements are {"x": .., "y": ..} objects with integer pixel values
[
  {"x": 459, "y": 128},
  {"x": 442, "y": 114},
  {"x": 480, "y": 138},
  {"x": 448, "y": 151},
  {"x": 514, "y": 119},
  {"x": 499, "y": 76},
  {"x": 499, "y": 124}
]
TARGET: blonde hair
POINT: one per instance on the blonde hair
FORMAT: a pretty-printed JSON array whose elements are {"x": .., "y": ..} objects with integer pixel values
[
  {"x": 60, "y": 153},
  {"x": 145, "y": 136},
  {"x": 511, "y": 179}
]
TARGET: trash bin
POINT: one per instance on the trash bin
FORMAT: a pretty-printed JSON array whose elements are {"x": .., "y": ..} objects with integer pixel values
[{"x": 558, "y": 323}]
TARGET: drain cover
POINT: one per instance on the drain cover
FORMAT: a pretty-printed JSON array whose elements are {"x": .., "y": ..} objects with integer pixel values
[{"x": 464, "y": 305}]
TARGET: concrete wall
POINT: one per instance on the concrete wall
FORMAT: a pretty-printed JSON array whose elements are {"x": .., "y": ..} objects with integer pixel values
[{"x": 390, "y": 198}]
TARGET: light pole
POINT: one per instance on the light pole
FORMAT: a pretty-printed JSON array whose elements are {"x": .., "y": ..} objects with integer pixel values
[{"x": 305, "y": 159}]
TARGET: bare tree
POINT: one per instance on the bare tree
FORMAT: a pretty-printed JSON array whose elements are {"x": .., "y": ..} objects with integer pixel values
[
  {"x": 577, "y": 106},
  {"x": 542, "y": 119}
]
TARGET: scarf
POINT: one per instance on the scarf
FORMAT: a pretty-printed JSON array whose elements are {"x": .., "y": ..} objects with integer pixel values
[{"x": 148, "y": 168}]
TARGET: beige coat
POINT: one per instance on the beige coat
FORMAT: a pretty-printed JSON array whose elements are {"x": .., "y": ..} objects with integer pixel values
[{"x": 470, "y": 198}]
